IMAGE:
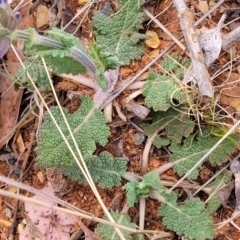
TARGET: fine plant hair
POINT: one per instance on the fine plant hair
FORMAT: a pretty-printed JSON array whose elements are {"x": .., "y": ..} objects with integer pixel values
[{"x": 190, "y": 132}]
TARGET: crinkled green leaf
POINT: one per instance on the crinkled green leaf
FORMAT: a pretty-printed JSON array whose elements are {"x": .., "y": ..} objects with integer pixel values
[
  {"x": 213, "y": 204},
  {"x": 118, "y": 34},
  {"x": 194, "y": 149},
  {"x": 65, "y": 65},
  {"x": 88, "y": 126},
  {"x": 103, "y": 61},
  {"x": 36, "y": 71},
  {"x": 58, "y": 60},
  {"x": 190, "y": 219},
  {"x": 108, "y": 232},
  {"x": 132, "y": 196},
  {"x": 175, "y": 125},
  {"x": 220, "y": 182},
  {"x": 160, "y": 90},
  {"x": 175, "y": 64},
  {"x": 136, "y": 190},
  {"x": 105, "y": 170},
  {"x": 69, "y": 40},
  {"x": 158, "y": 142}
]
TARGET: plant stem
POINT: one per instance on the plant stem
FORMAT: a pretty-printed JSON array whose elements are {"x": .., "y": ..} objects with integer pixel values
[
  {"x": 36, "y": 39},
  {"x": 142, "y": 210},
  {"x": 145, "y": 156}
]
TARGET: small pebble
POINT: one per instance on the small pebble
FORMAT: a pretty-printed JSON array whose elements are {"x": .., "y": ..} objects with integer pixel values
[
  {"x": 8, "y": 212},
  {"x": 138, "y": 138}
]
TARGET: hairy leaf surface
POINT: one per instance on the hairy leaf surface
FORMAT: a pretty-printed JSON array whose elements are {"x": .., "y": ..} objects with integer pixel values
[
  {"x": 108, "y": 232},
  {"x": 174, "y": 124},
  {"x": 160, "y": 90},
  {"x": 105, "y": 170},
  {"x": 118, "y": 35},
  {"x": 88, "y": 126},
  {"x": 36, "y": 71},
  {"x": 190, "y": 219},
  {"x": 194, "y": 149}
]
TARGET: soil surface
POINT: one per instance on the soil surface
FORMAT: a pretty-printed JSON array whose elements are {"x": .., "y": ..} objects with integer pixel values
[{"x": 16, "y": 155}]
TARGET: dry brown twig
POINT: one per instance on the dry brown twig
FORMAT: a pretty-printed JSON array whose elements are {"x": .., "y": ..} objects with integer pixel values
[
  {"x": 230, "y": 39},
  {"x": 200, "y": 70}
]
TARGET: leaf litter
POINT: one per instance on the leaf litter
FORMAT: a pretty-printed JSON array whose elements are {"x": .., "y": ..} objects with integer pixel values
[
  {"x": 132, "y": 151},
  {"x": 50, "y": 223}
]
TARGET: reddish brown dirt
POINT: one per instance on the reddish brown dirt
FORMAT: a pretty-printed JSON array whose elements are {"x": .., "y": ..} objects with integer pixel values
[{"x": 81, "y": 195}]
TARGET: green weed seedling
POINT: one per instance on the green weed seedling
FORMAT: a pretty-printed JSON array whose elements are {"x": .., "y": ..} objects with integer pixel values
[{"x": 173, "y": 125}]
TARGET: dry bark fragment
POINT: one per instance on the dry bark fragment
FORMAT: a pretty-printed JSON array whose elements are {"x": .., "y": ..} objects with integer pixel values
[
  {"x": 230, "y": 39},
  {"x": 200, "y": 70}
]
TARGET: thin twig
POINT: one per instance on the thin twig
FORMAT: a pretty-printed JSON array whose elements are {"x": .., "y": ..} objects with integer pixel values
[
  {"x": 230, "y": 39},
  {"x": 74, "y": 213}
]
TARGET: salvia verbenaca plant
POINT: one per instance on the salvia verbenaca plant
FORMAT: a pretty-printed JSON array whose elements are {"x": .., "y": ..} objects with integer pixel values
[
  {"x": 9, "y": 22},
  {"x": 8, "y": 31},
  {"x": 116, "y": 45}
]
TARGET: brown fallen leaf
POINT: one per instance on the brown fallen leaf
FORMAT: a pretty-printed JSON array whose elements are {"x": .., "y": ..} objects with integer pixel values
[
  {"x": 153, "y": 41},
  {"x": 230, "y": 96},
  {"x": 203, "y": 6},
  {"x": 88, "y": 233},
  {"x": 42, "y": 18},
  {"x": 11, "y": 99}
]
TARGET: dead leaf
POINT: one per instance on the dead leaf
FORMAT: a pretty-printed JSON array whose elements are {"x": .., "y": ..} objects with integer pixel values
[
  {"x": 138, "y": 109},
  {"x": 5, "y": 222},
  {"x": 43, "y": 17},
  {"x": 50, "y": 223},
  {"x": 9, "y": 109},
  {"x": 154, "y": 53},
  {"x": 90, "y": 235},
  {"x": 83, "y": 2},
  {"x": 203, "y": 6},
  {"x": 225, "y": 193},
  {"x": 11, "y": 99},
  {"x": 211, "y": 42},
  {"x": 154, "y": 41},
  {"x": 20, "y": 143},
  {"x": 41, "y": 177},
  {"x": 230, "y": 96}
]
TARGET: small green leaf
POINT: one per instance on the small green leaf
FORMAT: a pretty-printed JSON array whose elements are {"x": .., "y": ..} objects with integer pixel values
[
  {"x": 219, "y": 184},
  {"x": 117, "y": 35},
  {"x": 142, "y": 189},
  {"x": 194, "y": 149},
  {"x": 220, "y": 181},
  {"x": 105, "y": 170},
  {"x": 88, "y": 126},
  {"x": 191, "y": 219},
  {"x": 132, "y": 196},
  {"x": 160, "y": 90},
  {"x": 36, "y": 71},
  {"x": 108, "y": 232},
  {"x": 175, "y": 64},
  {"x": 175, "y": 125},
  {"x": 213, "y": 204},
  {"x": 103, "y": 61}
]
